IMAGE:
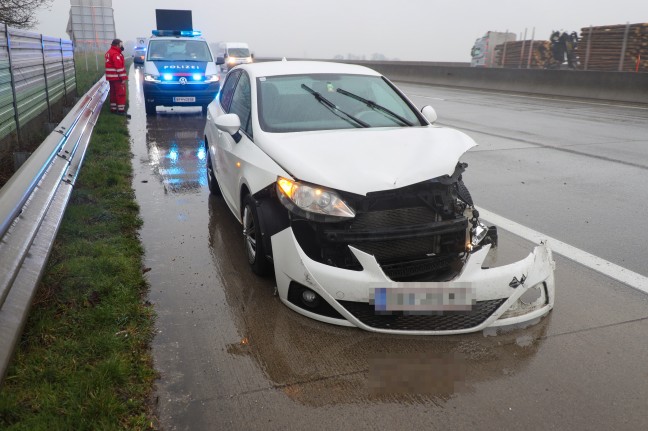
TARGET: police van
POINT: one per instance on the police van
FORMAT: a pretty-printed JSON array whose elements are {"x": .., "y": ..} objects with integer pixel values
[{"x": 179, "y": 70}]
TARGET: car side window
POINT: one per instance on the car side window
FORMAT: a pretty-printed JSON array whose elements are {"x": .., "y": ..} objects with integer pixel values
[
  {"x": 242, "y": 103},
  {"x": 227, "y": 92}
]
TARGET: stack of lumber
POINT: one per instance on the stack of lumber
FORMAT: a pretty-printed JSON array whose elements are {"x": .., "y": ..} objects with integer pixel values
[
  {"x": 517, "y": 54},
  {"x": 606, "y": 46}
]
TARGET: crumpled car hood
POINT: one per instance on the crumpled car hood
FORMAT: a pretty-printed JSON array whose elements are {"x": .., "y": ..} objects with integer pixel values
[{"x": 367, "y": 160}]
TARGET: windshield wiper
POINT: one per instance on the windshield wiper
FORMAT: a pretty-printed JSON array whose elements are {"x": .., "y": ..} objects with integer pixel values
[
  {"x": 333, "y": 108},
  {"x": 376, "y": 107}
]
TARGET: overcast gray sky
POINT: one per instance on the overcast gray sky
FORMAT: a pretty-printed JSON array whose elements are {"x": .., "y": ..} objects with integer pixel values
[{"x": 426, "y": 30}]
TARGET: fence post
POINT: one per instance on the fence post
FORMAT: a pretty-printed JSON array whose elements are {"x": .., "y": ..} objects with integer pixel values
[
  {"x": 76, "y": 77},
  {"x": 623, "y": 48},
  {"x": 63, "y": 66},
  {"x": 589, "y": 44},
  {"x": 503, "y": 60},
  {"x": 47, "y": 97},
  {"x": 13, "y": 84},
  {"x": 522, "y": 53},
  {"x": 531, "y": 48}
]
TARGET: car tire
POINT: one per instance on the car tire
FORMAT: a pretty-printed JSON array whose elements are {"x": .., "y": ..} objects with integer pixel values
[
  {"x": 253, "y": 237},
  {"x": 211, "y": 178},
  {"x": 150, "y": 108}
]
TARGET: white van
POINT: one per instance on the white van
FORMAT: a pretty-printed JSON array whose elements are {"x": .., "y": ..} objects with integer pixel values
[{"x": 233, "y": 53}]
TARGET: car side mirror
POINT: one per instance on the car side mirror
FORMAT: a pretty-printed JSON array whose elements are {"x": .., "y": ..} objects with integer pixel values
[
  {"x": 252, "y": 56},
  {"x": 229, "y": 123},
  {"x": 429, "y": 113},
  {"x": 220, "y": 60}
]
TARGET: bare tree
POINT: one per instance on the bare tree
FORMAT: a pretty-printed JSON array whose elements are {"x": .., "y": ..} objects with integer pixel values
[{"x": 21, "y": 13}]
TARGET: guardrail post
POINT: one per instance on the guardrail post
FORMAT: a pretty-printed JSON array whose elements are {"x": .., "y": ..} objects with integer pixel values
[
  {"x": 13, "y": 83},
  {"x": 47, "y": 97}
]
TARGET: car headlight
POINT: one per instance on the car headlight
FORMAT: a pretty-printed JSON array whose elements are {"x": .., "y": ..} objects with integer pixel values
[
  {"x": 151, "y": 78},
  {"x": 231, "y": 60},
  {"x": 312, "y": 202},
  {"x": 212, "y": 78}
]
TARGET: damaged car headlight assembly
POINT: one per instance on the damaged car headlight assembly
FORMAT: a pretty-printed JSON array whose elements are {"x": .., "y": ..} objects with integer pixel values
[
  {"x": 312, "y": 202},
  {"x": 478, "y": 233}
]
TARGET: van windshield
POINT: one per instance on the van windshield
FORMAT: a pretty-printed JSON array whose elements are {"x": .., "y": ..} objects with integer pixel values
[
  {"x": 179, "y": 50},
  {"x": 238, "y": 52}
]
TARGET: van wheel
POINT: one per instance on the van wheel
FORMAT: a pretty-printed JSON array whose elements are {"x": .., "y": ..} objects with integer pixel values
[{"x": 150, "y": 108}]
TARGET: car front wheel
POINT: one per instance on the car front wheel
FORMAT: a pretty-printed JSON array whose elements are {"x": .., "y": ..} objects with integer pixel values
[
  {"x": 253, "y": 237},
  {"x": 211, "y": 178}
]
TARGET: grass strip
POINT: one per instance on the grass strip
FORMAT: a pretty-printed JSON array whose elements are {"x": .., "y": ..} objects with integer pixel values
[{"x": 84, "y": 362}]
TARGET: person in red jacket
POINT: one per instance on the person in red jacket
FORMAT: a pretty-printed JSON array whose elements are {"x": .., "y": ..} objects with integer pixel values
[{"x": 116, "y": 75}]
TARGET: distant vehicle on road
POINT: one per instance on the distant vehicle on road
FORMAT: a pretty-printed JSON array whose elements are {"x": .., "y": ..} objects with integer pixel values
[
  {"x": 483, "y": 51},
  {"x": 139, "y": 54},
  {"x": 357, "y": 201},
  {"x": 233, "y": 54}
]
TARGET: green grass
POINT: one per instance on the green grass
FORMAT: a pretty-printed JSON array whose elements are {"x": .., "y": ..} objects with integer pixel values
[
  {"x": 84, "y": 362},
  {"x": 87, "y": 78}
]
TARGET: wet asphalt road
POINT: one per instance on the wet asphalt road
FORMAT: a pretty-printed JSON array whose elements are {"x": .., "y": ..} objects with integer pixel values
[{"x": 231, "y": 356}]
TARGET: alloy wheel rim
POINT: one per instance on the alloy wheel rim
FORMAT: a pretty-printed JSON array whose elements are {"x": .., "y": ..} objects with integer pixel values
[
  {"x": 249, "y": 232},
  {"x": 210, "y": 170}
]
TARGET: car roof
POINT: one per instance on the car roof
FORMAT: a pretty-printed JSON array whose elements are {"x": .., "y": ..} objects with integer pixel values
[{"x": 277, "y": 68}]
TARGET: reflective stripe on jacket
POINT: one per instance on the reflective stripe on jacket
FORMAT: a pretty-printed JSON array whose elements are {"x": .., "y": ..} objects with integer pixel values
[{"x": 115, "y": 67}]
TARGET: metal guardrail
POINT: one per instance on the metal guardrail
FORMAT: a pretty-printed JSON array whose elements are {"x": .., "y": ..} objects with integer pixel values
[
  {"x": 32, "y": 205},
  {"x": 35, "y": 72}
]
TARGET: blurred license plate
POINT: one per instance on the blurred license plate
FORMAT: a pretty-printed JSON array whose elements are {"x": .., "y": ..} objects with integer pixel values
[
  {"x": 441, "y": 297},
  {"x": 184, "y": 99}
]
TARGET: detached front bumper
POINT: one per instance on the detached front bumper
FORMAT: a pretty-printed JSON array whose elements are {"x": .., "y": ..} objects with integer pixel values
[{"x": 518, "y": 294}]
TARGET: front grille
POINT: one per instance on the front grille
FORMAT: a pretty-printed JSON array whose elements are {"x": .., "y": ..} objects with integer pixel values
[
  {"x": 403, "y": 271},
  {"x": 448, "y": 321},
  {"x": 394, "y": 217},
  {"x": 416, "y": 231}
]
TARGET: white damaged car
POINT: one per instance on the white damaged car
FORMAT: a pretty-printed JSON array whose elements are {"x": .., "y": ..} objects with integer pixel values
[{"x": 356, "y": 199}]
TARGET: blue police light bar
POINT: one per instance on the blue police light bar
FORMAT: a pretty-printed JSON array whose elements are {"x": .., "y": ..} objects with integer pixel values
[{"x": 185, "y": 33}]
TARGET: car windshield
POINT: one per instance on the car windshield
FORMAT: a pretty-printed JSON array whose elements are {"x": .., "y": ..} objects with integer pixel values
[
  {"x": 179, "y": 50},
  {"x": 287, "y": 103},
  {"x": 238, "y": 52}
]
